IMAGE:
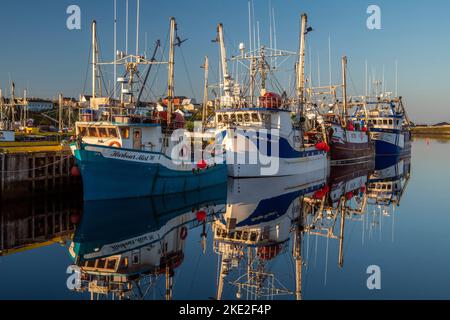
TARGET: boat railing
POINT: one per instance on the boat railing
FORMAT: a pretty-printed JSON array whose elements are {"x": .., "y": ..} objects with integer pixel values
[{"x": 254, "y": 102}]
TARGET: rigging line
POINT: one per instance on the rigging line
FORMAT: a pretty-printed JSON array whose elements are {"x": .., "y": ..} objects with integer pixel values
[
  {"x": 158, "y": 67},
  {"x": 194, "y": 95},
  {"x": 195, "y": 271},
  {"x": 87, "y": 70},
  {"x": 101, "y": 71}
]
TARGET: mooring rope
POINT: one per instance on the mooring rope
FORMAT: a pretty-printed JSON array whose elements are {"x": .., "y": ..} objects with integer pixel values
[{"x": 38, "y": 168}]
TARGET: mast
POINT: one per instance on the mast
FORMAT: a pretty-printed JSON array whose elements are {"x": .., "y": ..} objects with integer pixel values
[
  {"x": 205, "y": 95},
  {"x": 298, "y": 254},
  {"x": 94, "y": 58},
  {"x": 224, "y": 63},
  {"x": 341, "y": 237},
  {"x": 301, "y": 65},
  {"x": 171, "y": 78},
  {"x": 344, "y": 86}
]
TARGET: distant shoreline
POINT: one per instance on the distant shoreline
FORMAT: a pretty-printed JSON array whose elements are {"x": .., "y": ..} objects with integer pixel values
[{"x": 431, "y": 130}]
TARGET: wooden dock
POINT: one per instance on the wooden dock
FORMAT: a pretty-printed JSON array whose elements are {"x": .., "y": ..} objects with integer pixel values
[{"x": 27, "y": 169}]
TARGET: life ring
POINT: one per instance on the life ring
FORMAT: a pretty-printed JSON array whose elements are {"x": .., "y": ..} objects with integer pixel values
[
  {"x": 115, "y": 144},
  {"x": 183, "y": 233}
]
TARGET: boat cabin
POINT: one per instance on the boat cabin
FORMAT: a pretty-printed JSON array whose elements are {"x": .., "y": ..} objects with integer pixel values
[{"x": 143, "y": 137}]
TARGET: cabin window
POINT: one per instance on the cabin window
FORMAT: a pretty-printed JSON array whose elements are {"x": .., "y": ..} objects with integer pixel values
[
  {"x": 233, "y": 117},
  {"x": 225, "y": 118},
  {"x": 125, "y": 132},
  {"x": 111, "y": 265},
  {"x": 240, "y": 117},
  {"x": 391, "y": 121},
  {"x": 247, "y": 117},
  {"x": 255, "y": 117},
  {"x": 93, "y": 132},
  {"x": 82, "y": 131},
  {"x": 101, "y": 264},
  {"x": 219, "y": 118},
  {"x": 112, "y": 132},
  {"x": 135, "y": 259},
  {"x": 102, "y": 132},
  {"x": 385, "y": 122}
]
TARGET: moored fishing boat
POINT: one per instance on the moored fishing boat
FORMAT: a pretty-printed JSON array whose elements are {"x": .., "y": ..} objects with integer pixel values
[
  {"x": 129, "y": 149},
  {"x": 349, "y": 138},
  {"x": 389, "y": 126},
  {"x": 258, "y": 131}
]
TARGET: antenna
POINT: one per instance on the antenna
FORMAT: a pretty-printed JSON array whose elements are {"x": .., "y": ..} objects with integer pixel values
[
  {"x": 126, "y": 28},
  {"x": 270, "y": 25},
  {"x": 137, "y": 26},
  {"x": 367, "y": 67},
  {"x": 329, "y": 58},
  {"x": 254, "y": 30},
  {"x": 318, "y": 69},
  {"x": 115, "y": 49},
  {"x": 396, "y": 78},
  {"x": 259, "y": 38},
  {"x": 250, "y": 26}
]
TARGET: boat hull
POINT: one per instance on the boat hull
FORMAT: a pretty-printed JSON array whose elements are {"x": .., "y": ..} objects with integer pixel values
[
  {"x": 391, "y": 143},
  {"x": 350, "y": 146},
  {"x": 142, "y": 174},
  {"x": 312, "y": 161},
  {"x": 352, "y": 152},
  {"x": 262, "y": 156}
]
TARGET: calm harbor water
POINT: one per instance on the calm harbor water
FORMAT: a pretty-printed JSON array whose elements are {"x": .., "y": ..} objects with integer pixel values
[{"x": 408, "y": 240}]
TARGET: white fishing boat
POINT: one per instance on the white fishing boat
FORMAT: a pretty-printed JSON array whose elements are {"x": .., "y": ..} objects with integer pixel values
[{"x": 256, "y": 128}]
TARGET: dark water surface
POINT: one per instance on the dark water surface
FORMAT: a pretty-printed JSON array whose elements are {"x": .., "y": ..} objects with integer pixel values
[{"x": 247, "y": 238}]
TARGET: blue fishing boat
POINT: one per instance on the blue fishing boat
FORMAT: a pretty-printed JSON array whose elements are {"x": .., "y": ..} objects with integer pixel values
[
  {"x": 389, "y": 127},
  {"x": 130, "y": 148}
]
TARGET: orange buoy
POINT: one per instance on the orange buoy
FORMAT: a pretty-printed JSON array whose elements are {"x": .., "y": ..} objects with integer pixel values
[
  {"x": 202, "y": 165},
  {"x": 75, "y": 171},
  {"x": 75, "y": 218},
  {"x": 201, "y": 216}
]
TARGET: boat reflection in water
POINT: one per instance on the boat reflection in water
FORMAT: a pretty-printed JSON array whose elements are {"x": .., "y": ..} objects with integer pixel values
[
  {"x": 261, "y": 229},
  {"x": 121, "y": 247},
  {"x": 255, "y": 230},
  {"x": 389, "y": 180}
]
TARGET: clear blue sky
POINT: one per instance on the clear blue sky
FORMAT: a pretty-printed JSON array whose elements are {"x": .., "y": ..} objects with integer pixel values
[{"x": 40, "y": 53}]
